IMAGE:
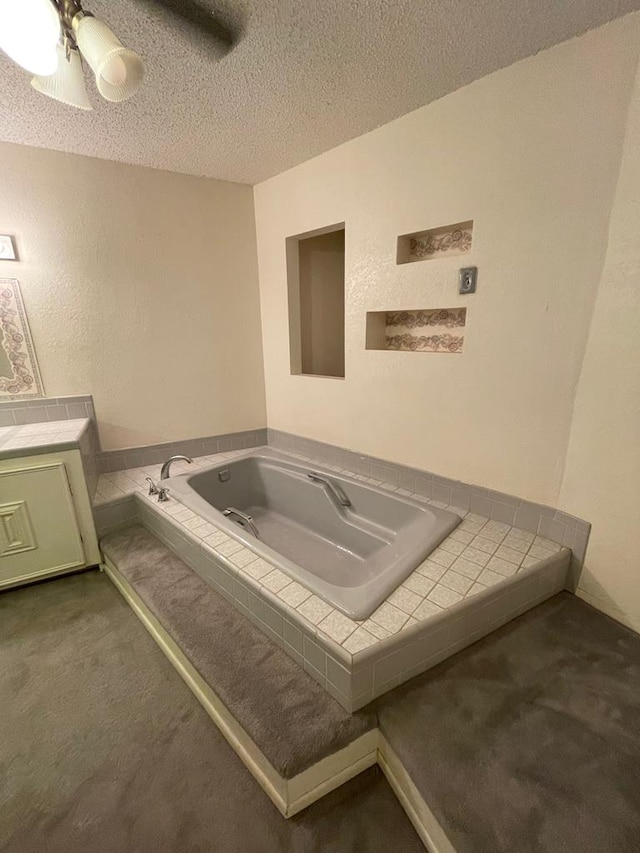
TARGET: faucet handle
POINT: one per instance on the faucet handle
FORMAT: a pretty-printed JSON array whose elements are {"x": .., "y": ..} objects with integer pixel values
[
  {"x": 153, "y": 489},
  {"x": 163, "y": 494}
]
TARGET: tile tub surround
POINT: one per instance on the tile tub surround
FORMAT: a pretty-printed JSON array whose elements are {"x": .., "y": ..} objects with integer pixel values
[
  {"x": 156, "y": 454},
  {"x": 15, "y": 412},
  {"x": 544, "y": 521},
  {"x": 480, "y": 577},
  {"x": 52, "y": 410},
  {"x": 29, "y": 439},
  {"x": 33, "y": 438}
]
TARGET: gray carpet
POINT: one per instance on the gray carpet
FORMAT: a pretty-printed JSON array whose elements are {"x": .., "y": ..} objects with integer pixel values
[
  {"x": 103, "y": 749},
  {"x": 289, "y": 716},
  {"x": 529, "y": 741}
]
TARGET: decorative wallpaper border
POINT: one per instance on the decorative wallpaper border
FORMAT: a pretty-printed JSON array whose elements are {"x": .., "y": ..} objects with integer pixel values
[
  {"x": 17, "y": 344},
  {"x": 458, "y": 242},
  {"x": 438, "y": 242},
  {"x": 426, "y": 330}
]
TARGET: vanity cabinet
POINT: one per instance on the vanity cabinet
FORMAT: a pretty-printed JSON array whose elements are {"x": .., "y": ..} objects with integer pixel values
[{"x": 46, "y": 523}]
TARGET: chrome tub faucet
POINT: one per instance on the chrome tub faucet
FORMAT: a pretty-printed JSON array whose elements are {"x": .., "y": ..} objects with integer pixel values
[{"x": 164, "y": 472}]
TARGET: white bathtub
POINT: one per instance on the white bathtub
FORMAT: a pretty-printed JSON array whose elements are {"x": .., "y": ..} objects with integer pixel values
[{"x": 347, "y": 541}]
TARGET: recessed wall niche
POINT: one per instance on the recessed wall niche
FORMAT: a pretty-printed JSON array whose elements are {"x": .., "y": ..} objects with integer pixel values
[
  {"x": 315, "y": 279},
  {"x": 438, "y": 242},
  {"x": 420, "y": 330}
]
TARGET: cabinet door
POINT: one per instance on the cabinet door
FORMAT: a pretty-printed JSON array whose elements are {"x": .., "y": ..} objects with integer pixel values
[{"x": 39, "y": 532}]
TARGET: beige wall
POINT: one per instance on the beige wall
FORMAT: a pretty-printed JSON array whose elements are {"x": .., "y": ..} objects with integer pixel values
[
  {"x": 531, "y": 153},
  {"x": 141, "y": 289},
  {"x": 602, "y": 476}
]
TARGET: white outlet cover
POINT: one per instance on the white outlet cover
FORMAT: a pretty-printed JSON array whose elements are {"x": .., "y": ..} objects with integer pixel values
[{"x": 7, "y": 250}]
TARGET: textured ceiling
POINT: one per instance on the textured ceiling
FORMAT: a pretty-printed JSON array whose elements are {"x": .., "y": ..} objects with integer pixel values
[{"x": 304, "y": 76}]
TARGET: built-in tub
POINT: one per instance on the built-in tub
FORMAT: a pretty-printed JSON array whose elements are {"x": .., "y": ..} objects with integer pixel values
[{"x": 349, "y": 542}]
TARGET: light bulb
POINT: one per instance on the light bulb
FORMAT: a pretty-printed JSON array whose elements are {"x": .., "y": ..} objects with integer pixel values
[
  {"x": 114, "y": 71},
  {"x": 29, "y": 33},
  {"x": 67, "y": 84},
  {"x": 119, "y": 71}
]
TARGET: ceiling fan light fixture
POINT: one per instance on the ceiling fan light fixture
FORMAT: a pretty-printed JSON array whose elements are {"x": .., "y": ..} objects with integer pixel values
[
  {"x": 119, "y": 71},
  {"x": 67, "y": 84},
  {"x": 29, "y": 34}
]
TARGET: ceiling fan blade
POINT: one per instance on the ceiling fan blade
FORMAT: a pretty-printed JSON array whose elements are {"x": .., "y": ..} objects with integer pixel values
[{"x": 199, "y": 18}]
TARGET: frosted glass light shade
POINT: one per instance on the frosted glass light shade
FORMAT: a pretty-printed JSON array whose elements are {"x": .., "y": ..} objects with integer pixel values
[
  {"x": 67, "y": 84},
  {"x": 119, "y": 71},
  {"x": 29, "y": 33}
]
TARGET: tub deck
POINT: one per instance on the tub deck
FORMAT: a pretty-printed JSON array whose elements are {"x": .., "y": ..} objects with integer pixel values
[{"x": 482, "y": 576}]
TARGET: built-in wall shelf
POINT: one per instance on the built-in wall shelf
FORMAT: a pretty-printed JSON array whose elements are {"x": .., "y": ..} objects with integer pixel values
[
  {"x": 417, "y": 330},
  {"x": 435, "y": 243}
]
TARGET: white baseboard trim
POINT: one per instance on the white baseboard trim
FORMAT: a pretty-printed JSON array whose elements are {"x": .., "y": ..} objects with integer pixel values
[
  {"x": 332, "y": 772},
  {"x": 424, "y": 822},
  {"x": 45, "y": 574}
]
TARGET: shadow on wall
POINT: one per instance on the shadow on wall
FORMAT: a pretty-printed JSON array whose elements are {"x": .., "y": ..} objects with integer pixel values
[{"x": 591, "y": 591}]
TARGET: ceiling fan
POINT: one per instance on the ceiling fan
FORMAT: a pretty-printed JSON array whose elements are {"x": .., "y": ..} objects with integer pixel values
[{"x": 51, "y": 38}]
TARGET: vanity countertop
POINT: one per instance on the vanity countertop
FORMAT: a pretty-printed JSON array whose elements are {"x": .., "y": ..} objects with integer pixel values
[{"x": 30, "y": 439}]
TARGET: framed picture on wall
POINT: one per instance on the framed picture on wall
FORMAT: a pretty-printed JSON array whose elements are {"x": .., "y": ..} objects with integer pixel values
[{"x": 19, "y": 372}]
